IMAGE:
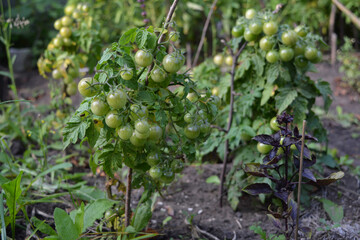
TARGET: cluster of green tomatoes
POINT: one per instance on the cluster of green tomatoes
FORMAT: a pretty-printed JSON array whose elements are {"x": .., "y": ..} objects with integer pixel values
[
  {"x": 134, "y": 122},
  {"x": 60, "y": 65},
  {"x": 279, "y": 42},
  {"x": 264, "y": 148}
]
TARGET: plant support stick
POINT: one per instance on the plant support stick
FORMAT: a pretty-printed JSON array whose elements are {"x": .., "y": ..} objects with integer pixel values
[{"x": 300, "y": 180}]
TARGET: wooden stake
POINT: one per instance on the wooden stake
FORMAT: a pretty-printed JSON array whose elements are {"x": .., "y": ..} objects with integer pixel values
[{"x": 300, "y": 180}]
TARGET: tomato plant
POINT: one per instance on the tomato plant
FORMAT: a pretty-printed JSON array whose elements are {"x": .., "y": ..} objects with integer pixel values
[
  {"x": 144, "y": 126},
  {"x": 269, "y": 77}
]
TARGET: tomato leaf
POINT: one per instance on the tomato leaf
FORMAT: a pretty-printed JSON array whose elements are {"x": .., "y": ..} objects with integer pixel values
[
  {"x": 128, "y": 36},
  {"x": 65, "y": 227},
  {"x": 285, "y": 98}
]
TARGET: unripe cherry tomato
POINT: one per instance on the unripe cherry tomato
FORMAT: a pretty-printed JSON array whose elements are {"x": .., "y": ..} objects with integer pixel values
[
  {"x": 142, "y": 126},
  {"x": 177, "y": 166},
  {"x": 250, "y": 13},
  {"x": 71, "y": 89},
  {"x": 126, "y": 74},
  {"x": 248, "y": 35},
  {"x": 255, "y": 27},
  {"x": 143, "y": 58},
  {"x": 270, "y": 28},
  {"x": 286, "y": 54},
  {"x": 125, "y": 132},
  {"x": 173, "y": 62},
  {"x": 155, "y": 172},
  {"x": 192, "y": 131},
  {"x": 66, "y": 21},
  {"x": 266, "y": 43},
  {"x": 85, "y": 88},
  {"x": 229, "y": 60},
  {"x": 263, "y": 148},
  {"x": 272, "y": 56},
  {"x": 117, "y": 99},
  {"x": 158, "y": 75},
  {"x": 112, "y": 119},
  {"x": 65, "y": 32},
  {"x": 218, "y": 59},
  {"x": 57, "y": 24},
  {"x": 153, "y": 158},
  {"x": 237, "y": 31},
  {"x": 274, "y": 124},
  {"x": 99, "y": 107}
]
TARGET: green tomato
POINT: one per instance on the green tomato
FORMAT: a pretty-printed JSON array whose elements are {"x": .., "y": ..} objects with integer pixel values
[
  {"x": 58, "y": 42},
  {"x": 248, "y": 35},
  {"x": 255, "y": 27},
  {"x": 143, "y": 58},
  {"x": 188, "y": 118},
  {"x": 177, "y": 166},
  {"x": 73, "y": 72},
  {"x": 293, "y": 147},
  {"x": 143, "y": 136},
  {"x": 301, "y": 61},
  {"x": 138, "y": 111},
  {"x": 153, "y": 158},
  {"x": 218, "y": 59},
  {"x": 289, "y": 38},
  {"x": 173, "y": 62},
  {"x": 69, "y": 9},
  {"x": 155, "y": 172},
  {"x": 250, "y": 13},
  {"x": 274, "y": 124},
  {"x": 192, "y": 96},
  {"x": 272, "y": 56},
  {"x": 286, "y": 54},
  {"x": 117, "y": 99},
  {"x": 110, "y": 215},
  {"x": 137, "y": 142},
  {"x": 76, "y": 14},
  {"x": 270, "y": 28},
  {"x": 125, "y": 132},
  {"x": 192, "y": 131},
  {"x": 167, "y": 177},
  {"x": 85, "y": 8},
  {"x": 155, "y": 132},
  {"x": 126, "y": 74},
  {"x": 142, "y": 126},
  {"x": 56, "y": 74},
  {"x": 99, "y": 107},
  {"x": 112, "y": 119},
  {"x": 66, "y": 21},
  {"x": 299, "y": 48},
  {"x": 263, "y": 148},
  {"x": 266, "y": 43},
  {"x": 204, "y": 127},
  {"x": 71, "y": 89},
  {"x": 310, "y": 53},
  {"x": 57, "y": 24},
  {"x": 65, "y": 32},
  {"x": 158, "y": 75},
  {"x": 245, "y": 137},
  {"x": 318, "y": 57},
  {"x": 174, "y": 36},
  {"x": 301, "y": 31},
  {"x": 229, "y": 60},
  {"x": 67, "y": 42},
  {"x": 237, "y": 31},
  {"x": 85, "y": 88}
]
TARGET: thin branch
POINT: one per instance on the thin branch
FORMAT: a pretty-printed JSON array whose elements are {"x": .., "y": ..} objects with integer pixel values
[
  {"x": 218, "y": 128},
  {"x": 128, "y": 199},
  {"x": 231, "y": 112},
  {"x": 167, "y": 21},
  {"x": 202, "y": 39},
  {"x": 300, "y": 179}
]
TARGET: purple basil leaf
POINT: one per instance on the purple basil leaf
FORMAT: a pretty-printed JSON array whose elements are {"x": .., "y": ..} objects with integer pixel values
[
  {"x": 296, "y": 132},
  {"x": 266, "y": 159},
  {"x": 265, "y": 139},
  {"x": 289, "y": 141},
  {"x": 306, "y": 162},
  {"x": 309, "y": 175},
  {"x": 277, "y": 137},
  {"x": 254, "y": 170},
  {"x": 274, "y": 220},
  {"x": 282, "y": 195},
  {"x": 309, "y": 137},
  {"x": 275, "y": 160},
  {"x": 273, "y": 152},
  {"x": 293, "y": 212},
  {"x": 306, "y": 149},
  {"x": 257, "y": 188}
]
